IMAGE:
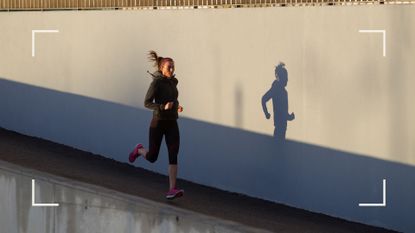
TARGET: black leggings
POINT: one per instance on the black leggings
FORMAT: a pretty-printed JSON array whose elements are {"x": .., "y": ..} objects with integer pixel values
[{"x": 170, "y": 129}]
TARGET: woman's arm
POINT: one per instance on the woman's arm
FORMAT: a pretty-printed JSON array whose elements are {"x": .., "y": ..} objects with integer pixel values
[
  {"x": 176, "y": 102},
  {"x": 149, "y": 99}
]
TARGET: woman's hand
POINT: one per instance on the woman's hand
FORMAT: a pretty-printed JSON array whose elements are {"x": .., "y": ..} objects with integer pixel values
[
  {"x": 291, "y": 116},
  {"x": 180, "y": 109},
  {"x": 168, "y": 106},
  {"x": 267, "y": 115}
]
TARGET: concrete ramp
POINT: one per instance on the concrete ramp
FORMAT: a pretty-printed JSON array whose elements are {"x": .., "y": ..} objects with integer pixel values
[{"x": 89, "y": 208}]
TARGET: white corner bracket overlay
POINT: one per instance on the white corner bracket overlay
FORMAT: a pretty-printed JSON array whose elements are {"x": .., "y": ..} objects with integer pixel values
[
  {"x": 40, "y": 204},
  {"x": 34, "y": 36},
  {"x": 383, "y": 204},
  {"x": 384, "y": 37}
]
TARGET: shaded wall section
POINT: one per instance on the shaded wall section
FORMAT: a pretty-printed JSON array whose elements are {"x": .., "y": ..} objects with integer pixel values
[{"x": 352, "y": 128}]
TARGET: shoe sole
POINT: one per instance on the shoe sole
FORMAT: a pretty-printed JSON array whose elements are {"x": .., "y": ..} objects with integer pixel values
[
  {"x": 180, "y": 194},
  {"x": 131, "y": 157}
]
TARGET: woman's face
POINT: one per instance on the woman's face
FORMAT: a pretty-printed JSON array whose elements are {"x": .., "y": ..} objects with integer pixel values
[{"x": 167, "y": 69}]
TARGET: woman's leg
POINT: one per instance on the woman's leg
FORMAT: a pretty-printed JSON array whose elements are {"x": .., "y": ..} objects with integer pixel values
[
  {"x": 173, "y": 145},
  {"x": 155, "y": 137},
  {"x": 172, "y": 176}
]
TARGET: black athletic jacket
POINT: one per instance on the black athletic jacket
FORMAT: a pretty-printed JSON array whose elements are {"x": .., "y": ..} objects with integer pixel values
[{"x": 161, "y": 91}]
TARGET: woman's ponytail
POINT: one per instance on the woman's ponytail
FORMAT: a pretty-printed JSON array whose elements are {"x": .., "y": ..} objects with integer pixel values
[{"x": 153, "y": 57}]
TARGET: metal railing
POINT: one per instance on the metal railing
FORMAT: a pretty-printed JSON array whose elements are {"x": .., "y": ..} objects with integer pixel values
[{"x": 23, "y": 5}]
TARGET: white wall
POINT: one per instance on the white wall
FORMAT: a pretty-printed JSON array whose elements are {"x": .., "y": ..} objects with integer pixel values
[{"x": 85, "y": 88}]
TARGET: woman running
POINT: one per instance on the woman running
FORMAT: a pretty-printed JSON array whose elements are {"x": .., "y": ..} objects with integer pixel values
[{"x": 161, "y": 97}]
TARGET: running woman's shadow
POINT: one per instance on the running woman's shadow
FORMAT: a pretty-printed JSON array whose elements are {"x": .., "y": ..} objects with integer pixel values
[{"x": 279, "y": 96}]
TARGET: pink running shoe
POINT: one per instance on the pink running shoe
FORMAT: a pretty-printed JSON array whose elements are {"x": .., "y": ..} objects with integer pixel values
[
  {"x": 174, "y": 193},
  {"x": 134, "y": 154}
]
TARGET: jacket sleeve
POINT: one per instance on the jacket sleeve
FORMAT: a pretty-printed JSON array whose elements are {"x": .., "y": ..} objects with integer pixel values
[
  {"x": 149, "y": 99},
  {"x": 176, "y": 103}
]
